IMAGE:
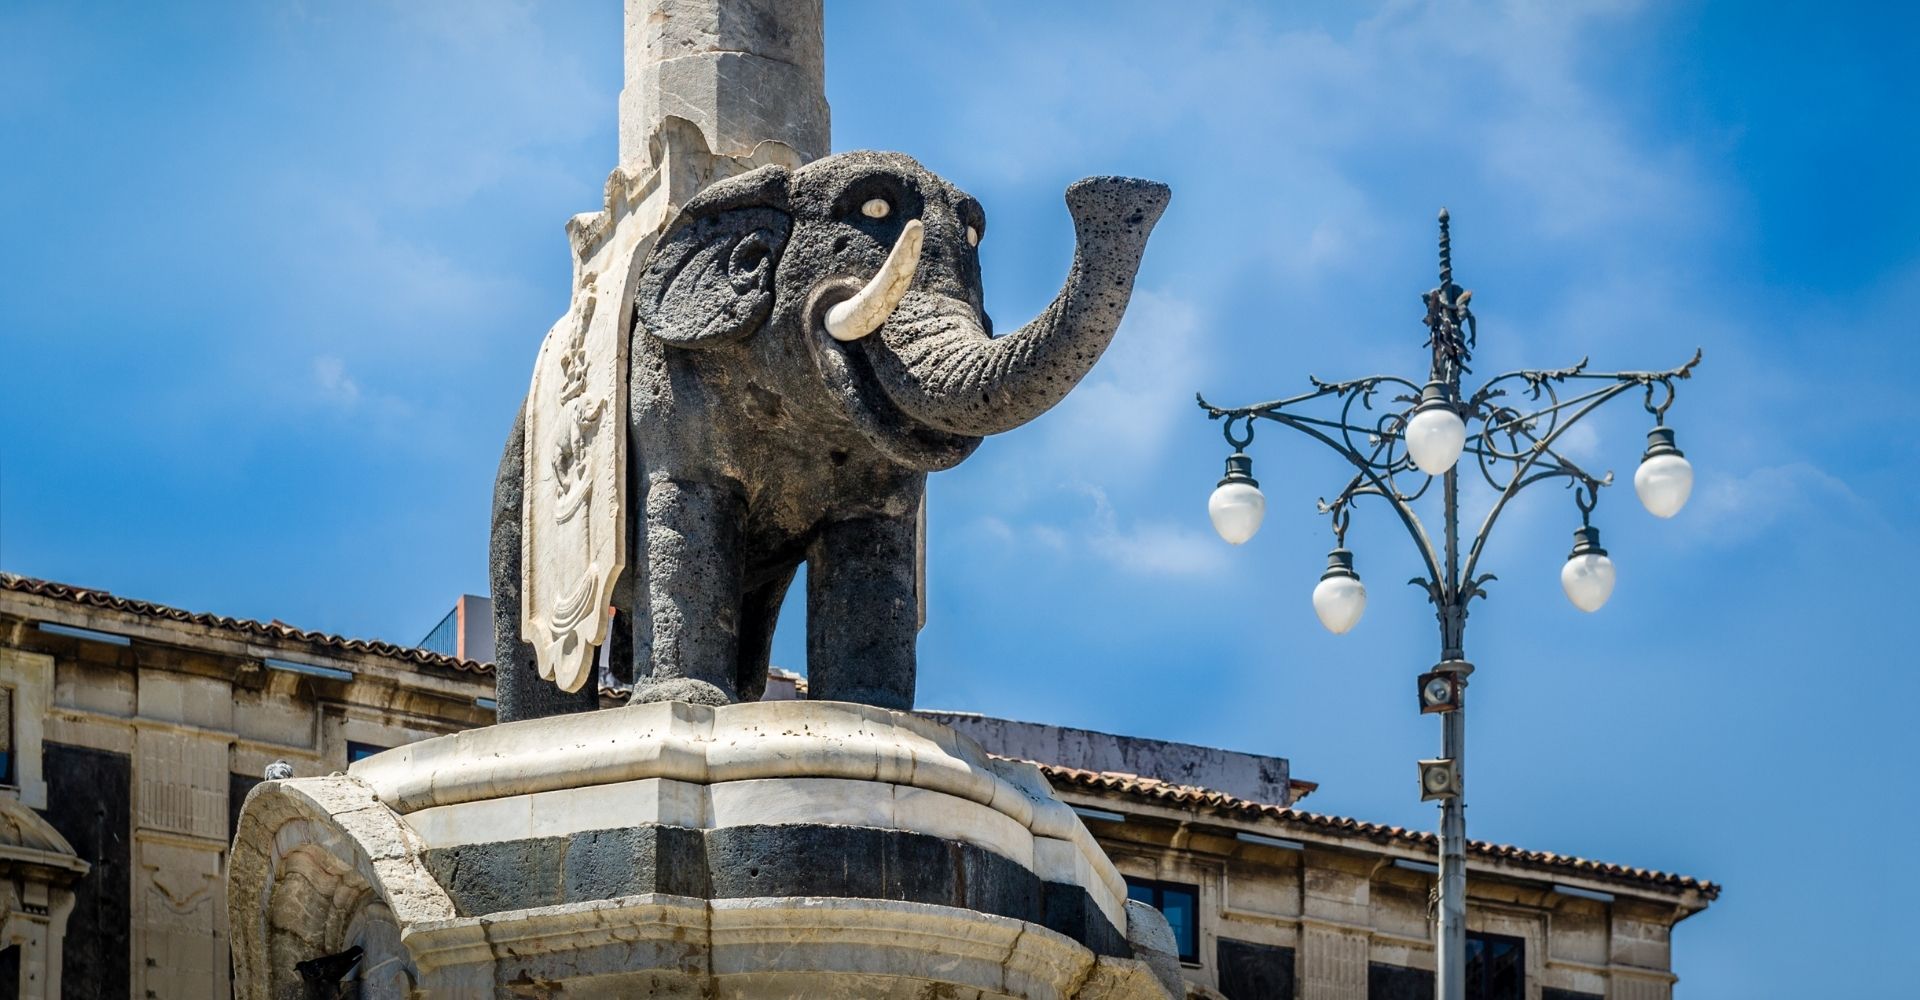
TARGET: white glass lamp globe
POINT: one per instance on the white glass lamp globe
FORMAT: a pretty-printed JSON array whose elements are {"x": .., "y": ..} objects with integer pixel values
[
  {"x": 1435, "y": 435},
  {"x": 1339, "y": 599},
  {"x": 1237, "y": 505},
  {"x": 1588, "y": 575},
  {"x": 1664, "y": 479}
]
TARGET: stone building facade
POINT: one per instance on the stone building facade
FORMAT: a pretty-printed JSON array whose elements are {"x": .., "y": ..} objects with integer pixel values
[
  {"x": 137, "y": 730},
  {"x": 133, "y": 732},
  {"x": 1295, "y": 904}
]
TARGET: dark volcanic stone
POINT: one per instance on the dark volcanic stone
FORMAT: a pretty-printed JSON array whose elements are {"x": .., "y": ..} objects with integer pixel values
[
  {"x": 923, "y": 870},
  {"x": 504, "y": 875},
  {"x": 747, "y": 862},
  {"x": 603, "y": 864}
]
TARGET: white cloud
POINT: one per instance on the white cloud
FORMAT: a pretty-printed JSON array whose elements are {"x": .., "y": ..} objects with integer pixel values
[
  {"x": 1143, "y": 547},
  {"x": 1734, "y": 509},
  {"x": 1049, "y": 536},
  {"x": 1161, "y": 548},
  {"x": 1462, "y": 95},
  {"x": 336, "y": 386},
  {"x": 1581, "y": 442},
  {"x": 995, "y": 529},
  {"x": 414, "y": 283},
  {"x": 1151, "y": 548}
]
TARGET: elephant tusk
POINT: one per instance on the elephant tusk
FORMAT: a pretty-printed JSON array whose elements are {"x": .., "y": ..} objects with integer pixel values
[{"x": 871, "y": 305}]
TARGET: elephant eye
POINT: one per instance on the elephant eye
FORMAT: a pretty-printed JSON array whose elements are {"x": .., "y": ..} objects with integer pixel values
[
  {"x": 876, "y": 208},
  {"x": 973, "y": 237}
]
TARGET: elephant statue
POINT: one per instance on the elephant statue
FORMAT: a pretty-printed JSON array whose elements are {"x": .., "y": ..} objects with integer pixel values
[{"x": 807, "y": 345}]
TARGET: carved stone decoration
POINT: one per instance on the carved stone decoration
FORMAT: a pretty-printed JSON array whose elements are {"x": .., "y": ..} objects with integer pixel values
[
  {"x": 574, "y": 543},
  {"x": 181, "y": 932}
]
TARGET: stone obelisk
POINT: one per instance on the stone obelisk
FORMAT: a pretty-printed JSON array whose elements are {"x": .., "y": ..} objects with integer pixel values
[
  {"x": 742, "y": 71},
  {"x": 713, "y": 88}
]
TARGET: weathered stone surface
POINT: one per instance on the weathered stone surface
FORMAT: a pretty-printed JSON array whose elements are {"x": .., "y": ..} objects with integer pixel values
[
  {"x": 743, "y": 71},
  {"x": 667, "y": 946},
  {"x": 740, "y": 99},
  {"x": 762, "y": 888},
  {"x": 319, "y": 865},
  {"x": 509, "y": 875},
  {"x": 602, "y": 864},
  {"x": 753, "y": 764},
  {"x": 1152, "y": 942}
]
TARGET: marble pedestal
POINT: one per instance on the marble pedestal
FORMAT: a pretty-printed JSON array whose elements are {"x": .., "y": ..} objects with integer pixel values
[{"x": 772, "y": 849}]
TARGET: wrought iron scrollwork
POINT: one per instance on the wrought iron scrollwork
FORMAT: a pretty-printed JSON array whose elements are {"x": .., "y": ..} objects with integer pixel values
[{"x": 1516, "y": 420}]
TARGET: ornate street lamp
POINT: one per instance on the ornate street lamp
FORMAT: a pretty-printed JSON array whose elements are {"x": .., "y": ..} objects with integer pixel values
[{"x": 1510, "y": 429}]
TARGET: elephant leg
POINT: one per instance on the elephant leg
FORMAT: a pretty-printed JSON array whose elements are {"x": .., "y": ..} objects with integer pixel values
[
  {"x": 759, "y": 613},
  {"x": 693, "y": 534},
  {"x": 863, "y": 612},
  {"x": 517, "y": 687}
]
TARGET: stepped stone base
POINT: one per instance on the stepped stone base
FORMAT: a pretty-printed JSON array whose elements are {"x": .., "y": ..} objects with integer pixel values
[{"x": 772, "y": 849}]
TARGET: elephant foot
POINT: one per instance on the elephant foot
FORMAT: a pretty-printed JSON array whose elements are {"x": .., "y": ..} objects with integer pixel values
[
  {"x": 687, "y": 689},
  {"x": 873, "y": 696}
]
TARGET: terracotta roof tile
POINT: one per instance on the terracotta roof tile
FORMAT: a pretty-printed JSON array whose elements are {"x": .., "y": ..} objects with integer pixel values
[
  {"x": 275, "y": 630},
  {"x": 1195, "y": 797}
]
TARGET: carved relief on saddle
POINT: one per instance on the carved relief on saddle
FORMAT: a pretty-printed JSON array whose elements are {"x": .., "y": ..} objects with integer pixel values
[{"x": 574, "y": 544}]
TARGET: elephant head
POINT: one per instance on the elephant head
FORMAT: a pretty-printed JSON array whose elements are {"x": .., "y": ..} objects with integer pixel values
[{"x": 857, "y": 276}]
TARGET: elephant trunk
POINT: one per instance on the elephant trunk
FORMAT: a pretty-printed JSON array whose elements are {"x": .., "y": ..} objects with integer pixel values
[{"x": 940, "y": 367}]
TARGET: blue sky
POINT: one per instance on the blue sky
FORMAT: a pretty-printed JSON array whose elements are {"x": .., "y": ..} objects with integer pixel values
[{"x": 275, "y": 275}]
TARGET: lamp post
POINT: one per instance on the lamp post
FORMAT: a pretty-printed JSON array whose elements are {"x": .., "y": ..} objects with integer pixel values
[{"x": 1509, "y": 428}]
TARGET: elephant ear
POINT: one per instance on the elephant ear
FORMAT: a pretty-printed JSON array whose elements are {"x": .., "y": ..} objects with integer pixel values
[{"x": 709, "y": 278}]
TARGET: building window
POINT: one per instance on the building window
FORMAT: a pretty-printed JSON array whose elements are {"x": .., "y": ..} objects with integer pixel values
[
  {"x": 6, "y": 736},
  {"x": 361, "y": 751},
  {"x": 1254, "y": 971},
  {"x": 1496, "y": 967},
  {"x": 1181, "y": 904},
  {"x": 1397, "y": 982},
  {"x": 1496, "y": 970}
]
